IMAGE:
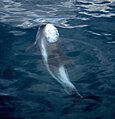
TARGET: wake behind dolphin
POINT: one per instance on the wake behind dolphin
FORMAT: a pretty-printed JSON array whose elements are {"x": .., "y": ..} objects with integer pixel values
[{"x": 47, "y": 39}]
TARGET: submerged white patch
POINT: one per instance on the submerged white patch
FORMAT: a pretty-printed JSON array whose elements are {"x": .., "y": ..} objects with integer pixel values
[
  {"x": 65, "y": 81},
  {"x": 44, "y": 52},
  {"x": 51, "y": 33}
]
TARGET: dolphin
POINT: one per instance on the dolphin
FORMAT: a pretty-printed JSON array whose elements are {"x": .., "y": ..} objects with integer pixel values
[{"x": 48, "y": 40}]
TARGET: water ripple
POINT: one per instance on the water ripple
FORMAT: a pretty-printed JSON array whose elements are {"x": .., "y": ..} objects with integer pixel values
[
  {"x": 24, "y": 13},
  {"x": 87, "y": 35}
]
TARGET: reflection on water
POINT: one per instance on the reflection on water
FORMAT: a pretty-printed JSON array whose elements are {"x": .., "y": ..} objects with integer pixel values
[
  {"x": 28, "y": 13},
  {"x": 86, "y": 30}
]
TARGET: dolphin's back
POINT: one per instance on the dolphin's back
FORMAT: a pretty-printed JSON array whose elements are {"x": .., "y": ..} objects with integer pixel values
[{"x": 52, "y": 55}]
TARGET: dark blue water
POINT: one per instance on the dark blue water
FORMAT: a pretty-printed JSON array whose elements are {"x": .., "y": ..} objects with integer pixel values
[{"x": 87, "y": 32}]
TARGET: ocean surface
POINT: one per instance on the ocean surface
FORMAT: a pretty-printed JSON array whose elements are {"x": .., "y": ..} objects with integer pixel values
[{"x": 87, "y": 33}]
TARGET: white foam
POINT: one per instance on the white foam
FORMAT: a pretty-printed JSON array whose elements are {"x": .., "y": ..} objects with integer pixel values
[{"x": 51, "y": 33}]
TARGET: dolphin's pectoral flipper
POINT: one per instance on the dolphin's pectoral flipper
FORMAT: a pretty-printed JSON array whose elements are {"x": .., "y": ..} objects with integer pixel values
[
  {"x": 54, "y": 61},
  {"x": 64, "y": 59},
  {"x": 36, "y": 39},
  {"x": 30, "y": 46}
]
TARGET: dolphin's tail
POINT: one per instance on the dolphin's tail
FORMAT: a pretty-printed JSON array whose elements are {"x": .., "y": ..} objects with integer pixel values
[{"x": 72, "y": 91}]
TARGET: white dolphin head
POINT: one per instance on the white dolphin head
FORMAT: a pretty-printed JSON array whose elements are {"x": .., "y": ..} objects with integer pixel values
[{"x": 51, "y": 33}]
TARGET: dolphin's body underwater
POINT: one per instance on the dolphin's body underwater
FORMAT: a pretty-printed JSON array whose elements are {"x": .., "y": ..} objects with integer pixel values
[{"x": 48, "y": 40}]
